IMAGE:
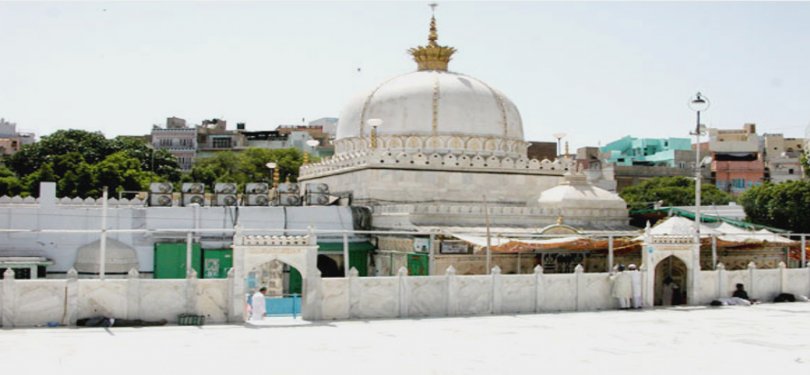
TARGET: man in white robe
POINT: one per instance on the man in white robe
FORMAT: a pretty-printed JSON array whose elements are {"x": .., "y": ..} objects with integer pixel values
[
  {"x": 635, "y": 280},
  {"x": 257, "y": 306},
  {"x": 622, "y": 288}
]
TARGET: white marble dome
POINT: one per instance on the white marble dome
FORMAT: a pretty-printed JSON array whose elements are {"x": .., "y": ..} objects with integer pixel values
[
  {"x": 433, "y": 111},
  {"x": 576, "y": 193},
  {"x": 119, "y": 257}
]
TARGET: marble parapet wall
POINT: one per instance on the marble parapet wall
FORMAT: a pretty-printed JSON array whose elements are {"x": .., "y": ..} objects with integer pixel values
[
  {"x": 423, "y": 160},
  {"x": 402, "y": 216},
  {"x": 442, "y": 144}
]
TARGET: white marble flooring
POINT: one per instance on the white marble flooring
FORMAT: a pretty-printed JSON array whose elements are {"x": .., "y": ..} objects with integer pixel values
[{"x": 768, "y": 338}]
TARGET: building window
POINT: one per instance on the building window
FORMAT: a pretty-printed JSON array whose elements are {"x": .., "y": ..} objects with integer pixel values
[
  {"x": 790, "y": 171},
  {"x": 165, "y": 142},
  {"x": 221, "y": 143}
]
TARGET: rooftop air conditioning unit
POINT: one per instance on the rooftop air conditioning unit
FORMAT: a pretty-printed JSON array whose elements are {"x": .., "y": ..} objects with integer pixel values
[
  {"x": 317, "y": 199},
  {"x": 258, "y": 200},
  {"x": 191, "y": 198},
  {"x": 226, "y": 200},
  {"x": 257, "y": 188},
  {"x": 289, "y": 200},
  {"x": 317, "y": 188},
  {"x": 225, "y": 188},
  {"x": 160, "y": 200},
  {"x": 160, "y": 187},
  {"x": 288, "y": 188},
  {"x": 193, "y": 187}
]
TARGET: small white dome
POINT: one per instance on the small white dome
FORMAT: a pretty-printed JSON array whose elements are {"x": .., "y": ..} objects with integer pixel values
[
  {"x": 577, "y": 193},
  {"x": 119, "y": 257}
]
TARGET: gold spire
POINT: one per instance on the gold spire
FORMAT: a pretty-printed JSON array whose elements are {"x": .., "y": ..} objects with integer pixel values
[{"x": 432, "y": 56}]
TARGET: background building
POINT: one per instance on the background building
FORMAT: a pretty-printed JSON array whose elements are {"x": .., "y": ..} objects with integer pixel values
[
  {"x": 178, "y": 139},
  {"x": 11, "y": 140}
]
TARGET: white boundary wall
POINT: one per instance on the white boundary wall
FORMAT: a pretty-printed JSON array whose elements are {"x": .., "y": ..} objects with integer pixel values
[{"x": 26, "y": 303}]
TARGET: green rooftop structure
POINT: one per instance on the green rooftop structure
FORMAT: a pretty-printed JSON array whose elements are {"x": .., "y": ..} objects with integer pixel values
[{"x": 631, "y": 151}]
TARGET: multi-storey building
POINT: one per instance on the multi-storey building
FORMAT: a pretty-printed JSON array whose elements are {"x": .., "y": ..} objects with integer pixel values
[
  {"x": 178, "y": 139},
  {"x": 782, "y": 157},
  {"x": 11, "y": 140},
  {"x": 637, "y": 159},
  {"x": 737, "y": 162}
]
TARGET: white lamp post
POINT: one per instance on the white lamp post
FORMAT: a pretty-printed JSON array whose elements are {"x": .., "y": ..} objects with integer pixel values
[
  {"x": 699, "y": 103},
  {"x": 559, "y": 137}
]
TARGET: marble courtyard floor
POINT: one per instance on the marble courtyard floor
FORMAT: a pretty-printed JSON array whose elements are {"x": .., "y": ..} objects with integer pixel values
[{"x": 763, "y": 339}]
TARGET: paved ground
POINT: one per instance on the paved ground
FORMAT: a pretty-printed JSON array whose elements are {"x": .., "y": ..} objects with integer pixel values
[{"x": 765, "y": 339}]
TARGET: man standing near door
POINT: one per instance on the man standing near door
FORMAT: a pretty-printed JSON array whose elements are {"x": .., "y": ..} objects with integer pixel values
[{"x": 257, "y": 306}]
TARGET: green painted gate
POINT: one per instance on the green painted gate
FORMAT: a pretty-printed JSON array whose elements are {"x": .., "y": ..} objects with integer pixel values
[
  {"x": 216, "y": 263},
  {"x": 170, "y": 260},
  {"x": 418, "y": 264}
]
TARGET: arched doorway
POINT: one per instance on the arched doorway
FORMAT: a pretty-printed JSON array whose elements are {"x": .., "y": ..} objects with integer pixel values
[
  {"x": 675, "y": 269},
  {"x": 251, "y": 253},
  {"x": 283, "y": 296}
]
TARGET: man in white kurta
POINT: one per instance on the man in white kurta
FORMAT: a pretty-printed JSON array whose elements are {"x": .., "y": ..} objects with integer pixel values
[
  {"x": 257, "y": 307},
  {"x": 622, "y": 288},
  {"x": 635, "y": 281}
]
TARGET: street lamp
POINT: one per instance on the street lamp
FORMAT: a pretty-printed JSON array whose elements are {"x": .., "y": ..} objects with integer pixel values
[
  {"x": 374, "y": 123},
  {"x": 272, "y": 166},
  {"x": 699, "y": 103},
  {"x": 311, "y": 143},
  {"x": 559, "y": 137}
]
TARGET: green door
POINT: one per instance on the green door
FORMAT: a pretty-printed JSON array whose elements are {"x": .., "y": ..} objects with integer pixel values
[
  {"x": 417, "y": 264},
  {"x": 359, "y": 260},
  {"x": 216, "y": 263},
  {"x": 295, "y": 281},
  {"x": 170, "y": 260}
]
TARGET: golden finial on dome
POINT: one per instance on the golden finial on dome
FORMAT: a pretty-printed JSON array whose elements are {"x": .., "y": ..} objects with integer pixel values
[{"x": 432, "y": 56}]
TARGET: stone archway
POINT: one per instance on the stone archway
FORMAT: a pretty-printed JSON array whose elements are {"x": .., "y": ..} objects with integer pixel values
[
  {"x": 301, "y": 252},
  {"x": 675, "y": 269},
  {"x": 658, "y": 248}
]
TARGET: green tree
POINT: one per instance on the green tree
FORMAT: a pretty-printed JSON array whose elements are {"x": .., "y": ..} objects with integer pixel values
[
  {"x": 10, "y": 185},
  {"x": 247, "y": 166},
  {"x": 119, "y": 172},
  {"x": 673, "y": 191},
  {"x": 783, "y": 205},
  {"x": 92, "y": 146}
]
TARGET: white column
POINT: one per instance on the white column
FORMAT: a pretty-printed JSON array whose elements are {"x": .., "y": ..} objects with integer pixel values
[
  {"x": 102, "y": 256},
  {"x": 804, "y": 252},
  {"x": 610, "y": 253},
  {"x": 714, "y": 252},
  {"x": 188, "y": 254}
]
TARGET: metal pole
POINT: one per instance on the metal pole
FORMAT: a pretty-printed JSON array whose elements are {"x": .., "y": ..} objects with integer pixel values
[
  {"x": 714, "y": 252},
  {"x": 804, "y": 252},
  {"x": 102, "y": 256},
  {"x": 489, "y": 244},
  {"x": 346, "y": 266},
  {"x": 610, "y": 253},
  {"x": 432, "y": 255},
  {"x": 518, "y": 264},
  {"x": 188, "y": 253},
  {"x": 697, "y": 181}
]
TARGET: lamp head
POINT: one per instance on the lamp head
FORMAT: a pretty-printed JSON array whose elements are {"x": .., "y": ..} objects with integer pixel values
[
  {"x": 313, "y": 143},
  {"x": 699, "y": 103},
  {"x": 374, "y": 122},
  {"x": 270, "y": 165}
]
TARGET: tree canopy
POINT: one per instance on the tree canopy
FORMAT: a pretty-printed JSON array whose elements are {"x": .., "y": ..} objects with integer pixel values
[
  {"x": 81, "y": 162},
  {"x": 246, "y": 166},
  {"x": 785, "y": 205},
  {"x": 673, "y": 191}
]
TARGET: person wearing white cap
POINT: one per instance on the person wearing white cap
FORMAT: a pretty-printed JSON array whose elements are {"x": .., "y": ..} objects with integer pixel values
[
  {"x": 635, "y": 280},
  {"x": 622, "y": 288}
]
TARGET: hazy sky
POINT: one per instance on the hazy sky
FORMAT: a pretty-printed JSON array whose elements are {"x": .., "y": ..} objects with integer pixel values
[{"x": 597, "y": 71}]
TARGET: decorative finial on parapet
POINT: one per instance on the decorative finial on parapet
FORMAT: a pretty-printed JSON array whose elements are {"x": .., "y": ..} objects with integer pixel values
[
  {"x": 559, "y": 220},
  {"x": 450, "y": 270},
  {"x": 432, "y": 56},
  {"x": 9, "y": 274},
  {"x": 538, "y": 269}
]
